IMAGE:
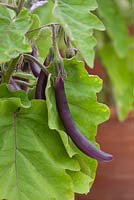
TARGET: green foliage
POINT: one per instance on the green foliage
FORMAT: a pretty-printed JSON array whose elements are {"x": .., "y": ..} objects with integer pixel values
[
  {"x": 12, "y": 31},
  {"x": 44, "y": 42},
  {"x": 116, "y": 52},
  {"x": 120, "y": 71},
  {"x": 45, "y": 13},
  {"x": 81, "y": 95},
  {"x": 33, "y": 161},
  {"x": 35, "y": 155},
  {"x": 38, "y": 160},
  {"x": 78, "y": 22},
  {"x": 115, "y": 24}
]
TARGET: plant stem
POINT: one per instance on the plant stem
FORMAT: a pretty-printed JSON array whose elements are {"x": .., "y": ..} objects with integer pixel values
[
  {"x": 9, "y": 6},
  {"x": 58, "y": 64},
  {"x": 7, "y": 74},
  {"x": 20, "y": 82},
  {"x": 33, "y": 59},
  {"x": 41, "y": 27},
  {"x": 20, "y": 6},
  {"x": 54, "y": 40}
]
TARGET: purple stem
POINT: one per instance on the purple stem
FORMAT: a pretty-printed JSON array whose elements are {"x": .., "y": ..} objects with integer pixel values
[
  {"x": 13, "y": 85},
  {"x": 22, "y": 87}
]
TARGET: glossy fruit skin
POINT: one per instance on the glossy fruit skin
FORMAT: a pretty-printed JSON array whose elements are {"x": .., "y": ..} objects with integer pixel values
[
  {"x": 41, "y": 85},
  {"x": 34, "y": 67},
  {"x": 77, "y": 137},
  {"x": 42, "y": 82}
]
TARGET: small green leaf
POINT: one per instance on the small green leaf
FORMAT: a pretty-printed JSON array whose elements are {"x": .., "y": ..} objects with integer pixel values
[
  {"x": 44, "y": 42},
  {"x": 79, "y": 22},
  {"x": 81, "y": 182},
  {"x": 36, "y": 24},
  {"x": 12, "y": 31}
]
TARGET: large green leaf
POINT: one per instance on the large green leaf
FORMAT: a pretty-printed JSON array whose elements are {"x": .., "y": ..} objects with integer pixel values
[
  {"x": 33, "y": 158},
  {"x": 79, "y": 22},
  {"x": 115, "y": 24},
  {"x": 87, "y": 113},
  {"x": 12, "y": 30},
  {"x": 121, "y": 73}
]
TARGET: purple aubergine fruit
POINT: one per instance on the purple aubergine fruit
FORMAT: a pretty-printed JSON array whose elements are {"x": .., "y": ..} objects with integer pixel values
[
  {"x": 34, "y": 67},
  {"x": 77, "y": 137},
  {"x": 42, "y": 81},
  {"x": 41, "y": 86}
]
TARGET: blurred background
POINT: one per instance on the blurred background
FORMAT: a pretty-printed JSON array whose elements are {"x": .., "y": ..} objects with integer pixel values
[{"x": 114, "y": 63}]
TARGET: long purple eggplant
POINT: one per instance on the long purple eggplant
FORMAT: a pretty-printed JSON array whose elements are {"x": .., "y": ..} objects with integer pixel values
[
  {"x": 42, "y": 80},
  {"x": 77, "y": 137},
  {"x": 34, "y": 67},
  {"x": 41, "y": 85}
]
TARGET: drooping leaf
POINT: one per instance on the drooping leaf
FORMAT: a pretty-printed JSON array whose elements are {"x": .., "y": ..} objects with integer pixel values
[
  {"x": 33, "y": 158},
  {"x": 36, "y": 24},
  {"x": 115, "y": 24},
  {"x": 44, "y": 42},
  {"x": 81, "y": 182},
  {"x": 87, "y": 113},
  {"x": 12, "y": 31},
  {"x": 78, "y": 22},
  {"x": 121, "y": 72}
]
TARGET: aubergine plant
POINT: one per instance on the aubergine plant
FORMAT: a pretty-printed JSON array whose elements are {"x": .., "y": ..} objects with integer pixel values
[{"x": 48, "y": 105}]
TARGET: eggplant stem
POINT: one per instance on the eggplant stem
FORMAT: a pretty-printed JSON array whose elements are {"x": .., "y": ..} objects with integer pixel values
[{"x": 31, "y": 58}]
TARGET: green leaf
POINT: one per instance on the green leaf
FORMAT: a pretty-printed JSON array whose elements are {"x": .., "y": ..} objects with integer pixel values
[
  {"x": 121, "y": 72},
  {"x": 33, "y": 159},
  {"x": 44, "y": 42},
  {"x": 12, "y": 32},
  {"x": 115, "y": 24},
  {"x": 79, "y": 22},
  {"x": 45, "y": 13},
  {"x": 6, "y": 93},
  {"x": 36, "y": 24},
  {"x": 87, "y": 113},
  {"x": 80, "y": 182}
]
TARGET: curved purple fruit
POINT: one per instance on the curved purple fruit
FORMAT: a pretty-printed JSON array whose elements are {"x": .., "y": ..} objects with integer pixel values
[
  {"x": 77, "y": 137},
  {"x": 42, "y": 81},
  {"x": 34, "y": 67},
  {"x": 41, "y": 85}
]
